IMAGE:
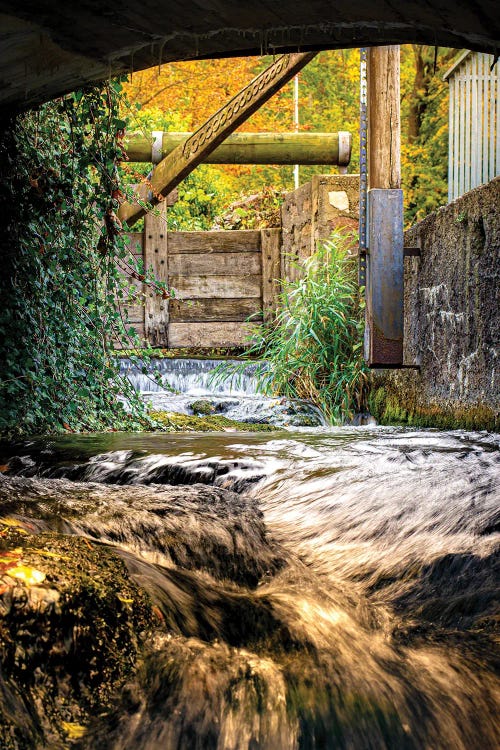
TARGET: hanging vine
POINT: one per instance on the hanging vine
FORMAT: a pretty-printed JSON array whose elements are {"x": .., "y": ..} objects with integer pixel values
[{"x": 66, "y": 269}]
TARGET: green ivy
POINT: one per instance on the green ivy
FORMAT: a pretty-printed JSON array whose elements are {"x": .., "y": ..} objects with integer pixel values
[{"x": 65, "y": 269}]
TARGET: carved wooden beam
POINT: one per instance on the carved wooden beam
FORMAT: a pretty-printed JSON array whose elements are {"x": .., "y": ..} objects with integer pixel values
[{"x": 183, "y": 159}]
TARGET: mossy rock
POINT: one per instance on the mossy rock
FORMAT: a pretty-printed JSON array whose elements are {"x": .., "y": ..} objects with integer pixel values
[
  {"x": 389, "y": 408},
  {"x": 70, "y": 619},
  {"x": 202, "y": 408},
  {"x": 171, "y": 422}
]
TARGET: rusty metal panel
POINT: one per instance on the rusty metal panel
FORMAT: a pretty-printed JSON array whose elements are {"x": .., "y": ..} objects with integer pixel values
[{"x": 384, "y": 282}]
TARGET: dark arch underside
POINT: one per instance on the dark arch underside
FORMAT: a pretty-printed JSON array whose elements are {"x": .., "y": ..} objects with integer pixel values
[{"x": 48, "y": 47}]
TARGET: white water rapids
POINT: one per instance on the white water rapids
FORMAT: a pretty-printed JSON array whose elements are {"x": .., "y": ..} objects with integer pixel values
[{"x": 362, "y": 615}]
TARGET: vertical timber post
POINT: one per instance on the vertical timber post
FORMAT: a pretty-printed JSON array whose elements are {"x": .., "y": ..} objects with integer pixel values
[
  {"x": 270, "y": 240},
  {"x": 384, "y": 282},
  {"x": 156, "y": 259}
]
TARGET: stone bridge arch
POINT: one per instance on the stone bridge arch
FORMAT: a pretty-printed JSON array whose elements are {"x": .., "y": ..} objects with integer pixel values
[{"x": 48, "y": 48}]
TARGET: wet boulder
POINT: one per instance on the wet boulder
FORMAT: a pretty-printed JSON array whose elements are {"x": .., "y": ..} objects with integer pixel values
[{"x": 71, "y": 626}]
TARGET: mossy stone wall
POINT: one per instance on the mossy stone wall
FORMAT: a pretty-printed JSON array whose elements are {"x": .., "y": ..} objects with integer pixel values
[{"x": 452, "y": 321}]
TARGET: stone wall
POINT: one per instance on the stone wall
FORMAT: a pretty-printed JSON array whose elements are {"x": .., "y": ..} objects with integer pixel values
[
  {"x": 452, "y": 320},
  {"x": 310, "y": 213}
]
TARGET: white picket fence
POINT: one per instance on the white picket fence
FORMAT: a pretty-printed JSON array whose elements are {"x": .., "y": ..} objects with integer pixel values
[{"x": 474, "y": 122}]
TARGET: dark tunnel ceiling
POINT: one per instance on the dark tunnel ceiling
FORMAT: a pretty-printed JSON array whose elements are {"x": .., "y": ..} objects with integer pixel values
[{"x": 48, "y": 47}]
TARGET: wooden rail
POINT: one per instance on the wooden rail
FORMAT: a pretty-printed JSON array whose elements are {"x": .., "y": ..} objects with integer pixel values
[{"x": 250, "y": 148}]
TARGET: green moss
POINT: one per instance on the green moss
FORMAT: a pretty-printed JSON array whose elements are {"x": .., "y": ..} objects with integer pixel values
[
  {"x": 388, "y": 409},
  {"x": 183, "y": 353},
  {"x": 68, "y": 642},
  {"x": 202, "y": 408},
  {"x": 171, "y": 422}
]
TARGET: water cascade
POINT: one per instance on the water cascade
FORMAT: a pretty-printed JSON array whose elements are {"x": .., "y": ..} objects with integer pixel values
[
  {"x": 180, "y": 383},
  {"x": 333, "y": 588}
]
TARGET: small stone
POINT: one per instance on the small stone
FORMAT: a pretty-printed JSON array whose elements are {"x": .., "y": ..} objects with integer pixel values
[{"x": 338, "y": 199}]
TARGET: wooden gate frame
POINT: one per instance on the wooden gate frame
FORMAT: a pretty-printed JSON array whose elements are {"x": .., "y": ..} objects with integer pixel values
[{"x": 221, "y": 280}]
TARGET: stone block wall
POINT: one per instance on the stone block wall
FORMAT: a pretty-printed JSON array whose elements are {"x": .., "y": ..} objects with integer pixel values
[
  {"x": 310, "y": 213},
  {"x": 452, "y": 320}
]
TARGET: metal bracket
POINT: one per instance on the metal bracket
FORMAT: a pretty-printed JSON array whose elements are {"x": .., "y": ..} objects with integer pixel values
[
  {"x": 411, "y": 252},
  {"x": 157, "y": 146}
]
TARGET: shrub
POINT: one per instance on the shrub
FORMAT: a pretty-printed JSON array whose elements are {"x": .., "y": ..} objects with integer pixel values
[{"x": 61, "y": 280}]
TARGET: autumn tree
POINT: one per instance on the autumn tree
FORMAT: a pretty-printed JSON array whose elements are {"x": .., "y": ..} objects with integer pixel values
[{"x": 180, "y": 96}]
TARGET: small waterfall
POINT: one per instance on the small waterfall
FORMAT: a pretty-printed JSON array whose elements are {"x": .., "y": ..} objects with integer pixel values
[
  {"x": 194, "y": 377},
  {"x": 174, "y": 385}
]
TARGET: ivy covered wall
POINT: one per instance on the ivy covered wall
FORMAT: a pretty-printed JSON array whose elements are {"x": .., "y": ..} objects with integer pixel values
[{"x": 59, "y": 275}]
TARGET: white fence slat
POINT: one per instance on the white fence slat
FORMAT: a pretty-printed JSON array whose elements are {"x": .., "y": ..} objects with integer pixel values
[
  {"x": 451, "y": 140},
  {"x": 497, "y": 121},
  {"x": 457, "y": 139},
  {"x": 474, "y": 166},
  {"x": 467, "y": 155},
  {"x": 493, "y": 125},
  {"x": 473, "y": 123}
]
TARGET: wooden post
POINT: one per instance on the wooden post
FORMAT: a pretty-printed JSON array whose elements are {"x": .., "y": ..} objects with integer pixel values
[
  {"x": 271, "y": 267},
  {"x": 156, "y": 258},
  {"x": 384, "y": 283},
  {"x": 384, "y": 124}
]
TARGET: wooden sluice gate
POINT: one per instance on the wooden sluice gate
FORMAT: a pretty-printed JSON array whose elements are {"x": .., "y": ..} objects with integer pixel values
[{"x": 221, "y": 280}]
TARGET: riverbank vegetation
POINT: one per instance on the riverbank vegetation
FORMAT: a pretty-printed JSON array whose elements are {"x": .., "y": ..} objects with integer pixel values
[{"x": 62, "y": 269}]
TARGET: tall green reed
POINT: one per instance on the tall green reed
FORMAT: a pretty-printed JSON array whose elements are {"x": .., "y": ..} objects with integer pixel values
[{"x": 314, "y": 348}]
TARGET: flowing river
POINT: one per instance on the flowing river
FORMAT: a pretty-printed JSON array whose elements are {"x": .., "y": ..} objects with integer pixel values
[{"x": 321, "y": 588}]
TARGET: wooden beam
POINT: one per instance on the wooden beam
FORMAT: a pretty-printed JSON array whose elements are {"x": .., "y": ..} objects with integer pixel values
[
  {"x": 384, "y": 126},
  {"x": 271, "y": 266},
  {"x": 254, "y": 148},
  {"x": 221, "y": 241},
  {"x": 183, "y": 159},
  {"x": 214, "y": 310},
  {"x": 156, "y": 258},
  {"x": 206, "y": 264},
  {"x": 209, "y": 335},
  {"x": 216, "y": 287}
]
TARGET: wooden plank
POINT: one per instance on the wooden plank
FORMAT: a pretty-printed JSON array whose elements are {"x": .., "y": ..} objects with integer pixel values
[
  {"x": 135, "y": 314},
  {"x": 222, "y": 310},
  {"x": 244, "y": 241},
  {"x": 175, "y": 167},
  {"x": 224, "y": 287},
  {"x": 271, "y": 266},
  {"x": 209, "y": 335},
  {"x": 229, "y": 264},
  {"x": 156, "y": 258},
  {"x": 251, "y": 148}
]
